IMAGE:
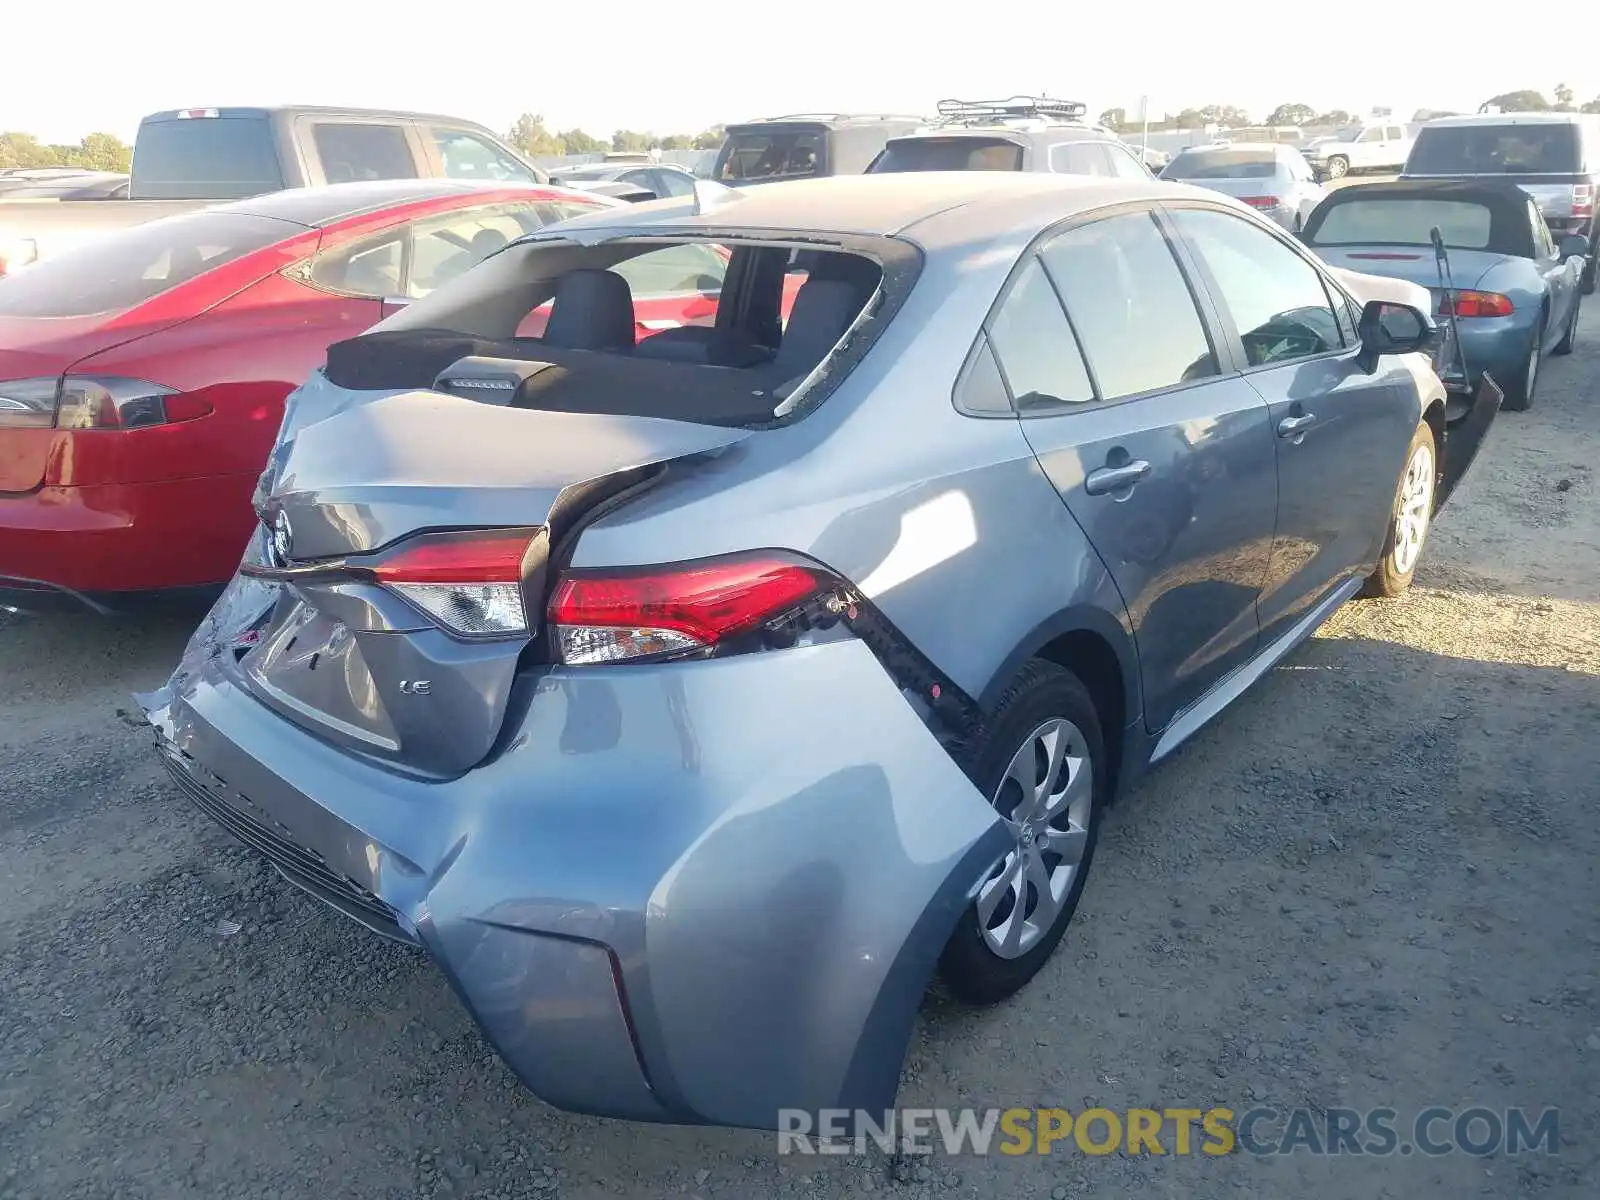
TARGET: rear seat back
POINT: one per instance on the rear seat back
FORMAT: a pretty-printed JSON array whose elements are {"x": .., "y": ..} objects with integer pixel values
[{"x": 591, "y": 310}]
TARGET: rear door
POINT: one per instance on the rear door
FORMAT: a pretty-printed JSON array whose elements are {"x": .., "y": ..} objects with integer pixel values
[
  {"x": 1341, "y": 434},
  {"x": 1160, "y": 451}
]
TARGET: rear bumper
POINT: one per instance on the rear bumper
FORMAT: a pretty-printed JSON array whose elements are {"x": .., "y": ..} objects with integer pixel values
[
  {"x": 694, "y": 893},
  {"x": 36, "y": 596},
  {"x": 126, "y": 538}
]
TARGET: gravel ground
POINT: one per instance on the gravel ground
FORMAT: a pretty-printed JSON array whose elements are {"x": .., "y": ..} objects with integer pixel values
[{"x": 1370, "y": 883}]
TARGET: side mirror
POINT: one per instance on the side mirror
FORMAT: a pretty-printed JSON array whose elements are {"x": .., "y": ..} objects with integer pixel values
[
  {"x": 1387, "y": 327},
  {"x": 1573, "y": 245}
]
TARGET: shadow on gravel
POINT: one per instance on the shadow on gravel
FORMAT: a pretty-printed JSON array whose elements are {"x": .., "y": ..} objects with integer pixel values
[{"x": 1371, "y": 883}]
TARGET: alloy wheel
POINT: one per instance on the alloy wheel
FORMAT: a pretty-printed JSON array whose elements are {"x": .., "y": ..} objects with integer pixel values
[
  {"x": 1414, "y": 510},
  {"x": 1047, "y": 799}
]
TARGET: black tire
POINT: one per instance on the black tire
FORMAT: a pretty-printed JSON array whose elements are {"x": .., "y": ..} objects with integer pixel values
[
  {"x": 1564, "y": 346},
  {"x": 1521, "y": 386},
  {"x": 1586, "y": 280},
  {"x": 1393, "y": 575},
  {"x": 1043, "y": 692}
]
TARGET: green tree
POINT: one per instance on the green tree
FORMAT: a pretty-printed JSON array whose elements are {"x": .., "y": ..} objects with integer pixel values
[
  {"x": 631, "y": 141},
  {"x": 1563, "y": 98},
  {"x": 1291, "y": 114},
  {"x": 1526, "y": 100},
  {"x": 678, "y": 141},
  {"x": 1334, "y": 116},
  {"x": 105, "y": 152},
  {"x": 1592, "y": 107},
  {"x": 577, "y": 141},
  {"x": 24, "y": 150},
  {"x": 710, "y": 139},
  {"x": 1114, "y": 118},
  {"x": 530, "y": 136}
]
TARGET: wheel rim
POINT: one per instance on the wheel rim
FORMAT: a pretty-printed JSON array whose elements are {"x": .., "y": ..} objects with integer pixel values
[
  {"x": 1047, "y": 800},
  {"x": 1336, "y": 168},
  {"x": 1414, "y": 509}
]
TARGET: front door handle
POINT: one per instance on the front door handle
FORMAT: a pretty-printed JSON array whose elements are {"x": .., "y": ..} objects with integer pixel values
[
  {"x": 1114, "y": 479},
  {"x": 1294, "y": 426}
]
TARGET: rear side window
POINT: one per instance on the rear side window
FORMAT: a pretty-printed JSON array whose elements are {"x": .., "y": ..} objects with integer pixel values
[
  {"x": 206, "y": 158},
  {"x": 780, "y": 154},
  {"x": 948, "y": 154},
  {"x": 1496, "y": 150},
  {"x": 1079, "y": 158},
  {"x": 1130, "y": 305},
  {"x": 415, "y": 258},
  {"x": 136, "y": 265},
  {"x": 674, "y": 270},
  {"x": 350, "y": 150},
  {"x": 1034, "y": 345}
]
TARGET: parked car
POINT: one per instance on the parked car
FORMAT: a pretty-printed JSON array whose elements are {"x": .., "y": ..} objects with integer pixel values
[
  {"x": 804, "y": 146},
  {"x": 144, "y": 376},
  {"x": 1023, "y": 133},
  {"x": 1554, "y": 157},
  {"x": 657, "y": 179},
  {"x": 678, "y": 589},
  {"x": 1379, "y": 146},
  {"x": 190, "y": 158},
  {"x": 1272, "y": 179},
  {"x": 1517, "y": 292}
]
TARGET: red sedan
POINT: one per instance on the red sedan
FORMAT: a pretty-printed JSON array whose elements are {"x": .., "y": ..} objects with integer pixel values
[{"x": 142, "y": 378}]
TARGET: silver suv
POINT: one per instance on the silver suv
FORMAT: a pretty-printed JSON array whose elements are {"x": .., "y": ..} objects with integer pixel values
[{"x": 1024, "y": 133}]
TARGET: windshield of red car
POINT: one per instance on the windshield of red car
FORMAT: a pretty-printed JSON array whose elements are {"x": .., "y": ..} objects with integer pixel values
[{"x": 131, "y": 266}]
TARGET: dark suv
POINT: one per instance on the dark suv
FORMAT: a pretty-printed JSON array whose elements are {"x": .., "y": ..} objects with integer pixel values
[
  {"x": 1554, "y": 157},
  {"x": 1024, "y": 133},
  {"x": 804, "y": 146}
]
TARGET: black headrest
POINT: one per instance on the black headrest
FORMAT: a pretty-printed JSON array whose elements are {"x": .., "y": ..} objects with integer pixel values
[
  {"x": 591, "y": 310},
  {"x": 823, "y": 310}
]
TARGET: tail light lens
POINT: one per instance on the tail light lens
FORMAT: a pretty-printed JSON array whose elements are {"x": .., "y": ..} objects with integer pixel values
[
  {"x": 1262, "y": 201},
  {"x": 93, "y": 402},
  {"x": 1475, "y": 304},
  {"x": 1583, "y": 200},
  {"x": 470, "y": 583},
  {"x": 616, "y": 615}
]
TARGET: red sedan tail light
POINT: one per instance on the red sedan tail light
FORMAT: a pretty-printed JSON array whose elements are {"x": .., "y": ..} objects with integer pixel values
[
  {"x": 93, "y": 402},
  {"x": 1262, "y": 201}
]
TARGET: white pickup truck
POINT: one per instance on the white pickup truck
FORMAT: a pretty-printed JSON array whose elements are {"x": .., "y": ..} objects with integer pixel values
[{"x": 1374, "y": 146}]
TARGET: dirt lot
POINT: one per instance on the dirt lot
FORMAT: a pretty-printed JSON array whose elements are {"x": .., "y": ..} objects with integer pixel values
[{"x": 1372, "y": 883}]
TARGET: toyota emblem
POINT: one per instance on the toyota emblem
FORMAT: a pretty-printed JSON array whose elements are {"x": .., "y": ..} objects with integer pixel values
[{"x": 282, "y": 539}]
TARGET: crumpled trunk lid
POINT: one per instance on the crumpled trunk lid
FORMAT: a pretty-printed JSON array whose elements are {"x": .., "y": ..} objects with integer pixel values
[{"x": 355, "y": 663}]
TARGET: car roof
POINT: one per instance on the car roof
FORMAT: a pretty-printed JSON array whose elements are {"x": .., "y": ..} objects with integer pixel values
[
  {"x": 319, "y": 207},
  {"x": 826, "y": 120},
  {"x": 943, "y": 206},
  {"x": 310, "y": 110},
  {"x": 1513, "y": 118},
  {"x": 1268, "y": 147}
]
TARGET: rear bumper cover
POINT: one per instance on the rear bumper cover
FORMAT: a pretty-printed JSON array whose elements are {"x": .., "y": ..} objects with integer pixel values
[{"x": 695, "y": 893}]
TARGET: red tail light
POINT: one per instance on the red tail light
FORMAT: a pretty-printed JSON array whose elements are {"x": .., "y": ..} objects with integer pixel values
[
  {"x": 1475, "y": 304},
  {"x": 616, "y": 615},
  {"x": 471, "y": 583},
  {"x": 1583, "y": 200},
  {"x": 1262, "y": 201}
]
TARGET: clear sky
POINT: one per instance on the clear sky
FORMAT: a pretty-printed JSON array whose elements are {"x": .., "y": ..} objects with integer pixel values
[{"x": 72, "y": 66}]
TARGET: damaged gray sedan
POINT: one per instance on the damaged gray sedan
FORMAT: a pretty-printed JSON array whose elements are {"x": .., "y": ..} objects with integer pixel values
[{"x": 693, "y": 691}]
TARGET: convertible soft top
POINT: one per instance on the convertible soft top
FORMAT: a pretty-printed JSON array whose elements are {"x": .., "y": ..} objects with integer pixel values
[{"x": 1510, "y": 227}]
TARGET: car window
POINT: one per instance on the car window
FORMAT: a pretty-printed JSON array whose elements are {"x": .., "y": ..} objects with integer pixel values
[
  {"x": 467, "y": 156},
  {"x": 1276, "y": 298},
  {"x": 1371, "y": 135},
  {"x": 1394, "y": 133},
  {"x": 1487, "y": 150},
  {"x": 676, "y": 183},
  {"x": 674, "y": 270},
  {"x": 1034, "y": 344},
  {"x": 1222, "y": 164},
  {"x": 959, "y": 153},
  {"x": 1078, "y": 158},
  {"x": 1464, "y": 224},
  {"x": 352, "y": 150},
  {"x": 370, "y": 267},
  {"x": 445, "y": 248},
  {"x": 1543, "y": 244},
  {"x": 1130, "y": 305},
  {"x": 981, "y": 388},
  {"x": 211, "y": 158},
  {"x": 1124, "y": 165},
  {"x": 756, "y": 154}
]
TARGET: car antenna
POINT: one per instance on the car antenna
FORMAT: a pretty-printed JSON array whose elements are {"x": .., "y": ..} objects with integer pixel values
[{"x": 710, "y": 195}]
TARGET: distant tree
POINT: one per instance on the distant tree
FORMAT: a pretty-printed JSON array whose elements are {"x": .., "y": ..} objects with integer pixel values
[
  {"x": 1291, "y": 114},
  {"x": 631, "y": 141},
  {"x": 1592, "y": 107},
  {"x": 1334, "y": 116},
  {"x": 1563, "y": 98},
  {"x": 1114, "y": 118},
  {"x": 576, "y": 141},
  {"x": 24, "y": 150},
  {"x": 678, "y": 141},
  {"x": 104, "y": 152},
  {"x": 1526, "y": 100},
  {"x": 710, "y": 139},
  {"x": 530, "y": 136}
]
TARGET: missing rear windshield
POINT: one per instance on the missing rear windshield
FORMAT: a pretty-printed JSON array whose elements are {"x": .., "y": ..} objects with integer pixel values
[
  {"x": 948, "y": 154},
  {"x": 714, "y": 331},
  {"x": 1496, "y": 150}
]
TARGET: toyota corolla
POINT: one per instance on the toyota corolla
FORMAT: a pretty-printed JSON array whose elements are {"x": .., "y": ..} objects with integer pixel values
[{"x": 692, "y": 700}]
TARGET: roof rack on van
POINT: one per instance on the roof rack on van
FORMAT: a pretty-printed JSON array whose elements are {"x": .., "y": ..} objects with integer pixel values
[{"x": 983, "y": 112}]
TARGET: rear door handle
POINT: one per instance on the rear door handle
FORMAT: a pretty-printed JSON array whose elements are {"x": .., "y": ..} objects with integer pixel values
[
  {"x": 1113, "y": 479},
  {"x": 1291, "y": 426}
]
